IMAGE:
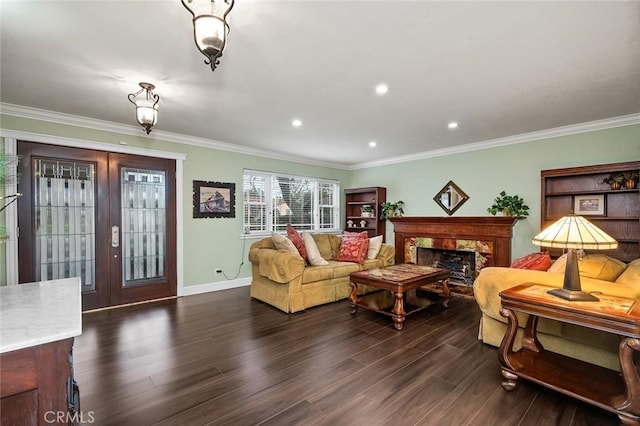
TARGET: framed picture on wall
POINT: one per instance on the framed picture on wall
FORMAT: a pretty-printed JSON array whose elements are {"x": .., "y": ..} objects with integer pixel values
[
  {"x": 214, "y": 199},
  {"x": 589, "y": 205}
]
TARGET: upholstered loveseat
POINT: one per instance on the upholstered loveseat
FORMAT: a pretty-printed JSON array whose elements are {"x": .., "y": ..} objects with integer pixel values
[
  {"x": 598, "y": 273},
  {"x": 283, "y": 279}
]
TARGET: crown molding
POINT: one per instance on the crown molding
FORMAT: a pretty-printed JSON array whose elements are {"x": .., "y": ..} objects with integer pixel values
[
  {"x": 83, "y": 143},
  {"x": 108, "y": 126},
  {"x": 126, "y": 129},
  {"x": 591, "y": 126}
]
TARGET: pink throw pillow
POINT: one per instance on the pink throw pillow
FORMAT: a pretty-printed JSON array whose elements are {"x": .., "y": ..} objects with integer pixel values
[
  {"x": 296, "y": 239},
  {"x": 539, "y": 261},
  {"x": 353, "y": 250}
]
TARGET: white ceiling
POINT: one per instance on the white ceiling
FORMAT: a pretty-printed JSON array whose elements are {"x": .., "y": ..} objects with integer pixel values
[{"x": 498, "y": 68}]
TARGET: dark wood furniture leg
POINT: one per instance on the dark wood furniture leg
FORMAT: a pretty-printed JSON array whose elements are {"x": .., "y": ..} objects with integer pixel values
[
  {"x": 506, "y": 348},
  {"x": 398, "y": 311},
  {"x": 530, "y": 338},
  {"x": 630, "y": 402},
  {"x": 353, "y": 298},
  {"x": 445, "y": 293}
]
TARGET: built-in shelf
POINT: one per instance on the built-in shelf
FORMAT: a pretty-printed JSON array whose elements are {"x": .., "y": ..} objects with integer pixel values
[
  {"x": 355, "y": 199},
  {"x": 620, "y": 216},
  {"x": 603, "y": 191}
]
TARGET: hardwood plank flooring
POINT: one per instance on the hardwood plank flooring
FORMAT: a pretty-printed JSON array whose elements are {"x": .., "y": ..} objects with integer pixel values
[{"x": 223, "y": 358}]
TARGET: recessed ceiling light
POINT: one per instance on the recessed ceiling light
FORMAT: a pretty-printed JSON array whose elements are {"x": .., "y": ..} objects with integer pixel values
[
  {"x": 453, "y": 125},
  {"x": 382, "y": 89},
  {"x": 296, "y": 123},
  {"x": 372, "y": 144}
]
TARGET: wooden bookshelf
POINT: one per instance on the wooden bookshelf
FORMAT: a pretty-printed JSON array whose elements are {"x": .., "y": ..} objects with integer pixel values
[
  {"x": 620, "y": 216},
  {"x": 356, "y": 199}
]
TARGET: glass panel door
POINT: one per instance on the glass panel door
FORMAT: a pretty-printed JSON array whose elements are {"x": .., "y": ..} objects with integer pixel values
[
  {"x": 65, "y": 220},
  {"x": 107, "y": 218},
  {"x": 143, "y": 225}
]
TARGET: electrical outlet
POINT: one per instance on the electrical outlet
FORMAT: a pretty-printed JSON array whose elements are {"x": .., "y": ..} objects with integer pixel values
[{"x": 218, "y": 271}]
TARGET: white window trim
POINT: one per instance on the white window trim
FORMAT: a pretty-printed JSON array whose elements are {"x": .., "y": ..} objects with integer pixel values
[{"x": 316, "y": 207}]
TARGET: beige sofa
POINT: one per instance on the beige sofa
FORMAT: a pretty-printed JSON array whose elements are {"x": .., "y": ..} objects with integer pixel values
[
  {"x": 282, "y": 279},
  {"x": 598, "y": 274}
]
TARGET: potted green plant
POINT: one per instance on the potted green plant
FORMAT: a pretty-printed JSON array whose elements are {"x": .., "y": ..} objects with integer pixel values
[
  {"x": 389, "y": 209},
  {"x": 630, "y": 179},
  {"x": 615, "y": 180},
  {"x": 509, "y": 205}
]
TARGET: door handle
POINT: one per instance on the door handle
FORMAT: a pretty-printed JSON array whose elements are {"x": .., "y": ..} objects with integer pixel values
[{"x": 115, "y": 236}]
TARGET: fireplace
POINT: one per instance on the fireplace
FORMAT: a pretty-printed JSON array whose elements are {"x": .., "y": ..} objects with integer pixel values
[
  {"x": 462, "y": 264},
  {"x": 469, "y": 242}
]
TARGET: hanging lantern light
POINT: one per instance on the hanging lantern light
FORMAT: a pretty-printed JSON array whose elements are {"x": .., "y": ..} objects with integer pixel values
[
  {"x": 146, "y": 106},
  {"x": 210, "y": 27}
]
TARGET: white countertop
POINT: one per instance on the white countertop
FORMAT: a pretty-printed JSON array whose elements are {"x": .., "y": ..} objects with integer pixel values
[{"x": 42, "y": 312}]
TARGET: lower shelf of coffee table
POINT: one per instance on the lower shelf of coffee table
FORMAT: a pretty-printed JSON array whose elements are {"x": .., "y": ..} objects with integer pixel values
[
  {"x": 586, "y": 382},
  {"x": 383, "y": 301}
]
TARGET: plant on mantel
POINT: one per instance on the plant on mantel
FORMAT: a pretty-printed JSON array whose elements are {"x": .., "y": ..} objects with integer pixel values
[
  {"x": 509, "y": 205},
  {"x": 389, "y": 209}
]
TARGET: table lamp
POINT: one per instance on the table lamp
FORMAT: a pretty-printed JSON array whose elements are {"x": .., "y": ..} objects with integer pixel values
[{"x": 574, "y": 233}]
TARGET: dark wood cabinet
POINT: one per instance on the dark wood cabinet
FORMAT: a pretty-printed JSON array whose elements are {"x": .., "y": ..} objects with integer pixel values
[
  {"x": 615, "y": 211},
  {"x": 358, "y": 200},
  {"x": 35, "y": 384}
]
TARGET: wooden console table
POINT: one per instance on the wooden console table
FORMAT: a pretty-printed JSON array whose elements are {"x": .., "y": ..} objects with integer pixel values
[{"x": 604, "y": 388}]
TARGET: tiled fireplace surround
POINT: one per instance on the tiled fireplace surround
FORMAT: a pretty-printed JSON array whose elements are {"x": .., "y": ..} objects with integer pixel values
[{"x": 480, "y": 240}]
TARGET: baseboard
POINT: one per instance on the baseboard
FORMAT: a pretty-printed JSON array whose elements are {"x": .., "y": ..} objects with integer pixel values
[{"x": 217, "y": 286}]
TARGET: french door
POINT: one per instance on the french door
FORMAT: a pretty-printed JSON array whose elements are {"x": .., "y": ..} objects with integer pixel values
[{"x": 107, "y": 218}]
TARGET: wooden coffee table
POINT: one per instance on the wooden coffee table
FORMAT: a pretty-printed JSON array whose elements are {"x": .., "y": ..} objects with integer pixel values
[
  {"x": 618, "y": 392},
  {"x": 402, "y": 281}
]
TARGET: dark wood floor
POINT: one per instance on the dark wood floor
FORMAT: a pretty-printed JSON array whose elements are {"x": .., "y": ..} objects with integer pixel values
[{"x": 223, "y": 358}]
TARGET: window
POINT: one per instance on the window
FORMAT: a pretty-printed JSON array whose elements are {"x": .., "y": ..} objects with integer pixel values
[{"x": 273, "y": 200}]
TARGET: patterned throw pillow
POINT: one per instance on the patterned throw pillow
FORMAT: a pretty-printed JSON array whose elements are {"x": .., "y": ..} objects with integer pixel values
[
  {"x": 353, "y": 250},
  {"x": 296, "y": 239},
  {"x": 539, "y": 261},
  {"x": 355, "y": 235}
]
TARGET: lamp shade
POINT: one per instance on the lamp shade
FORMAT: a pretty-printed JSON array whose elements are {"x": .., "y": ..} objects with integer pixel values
[
  {"x": 575, "y": 232},
  {"x": 146, "y": 112},
  {"x": 210, "y": 27},
  {"x": 146, "y": 106}
]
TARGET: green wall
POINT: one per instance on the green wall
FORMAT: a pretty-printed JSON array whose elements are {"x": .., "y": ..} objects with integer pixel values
[
  {"x": 208, "y": 243},
  {"x": 482, "y": 174}
]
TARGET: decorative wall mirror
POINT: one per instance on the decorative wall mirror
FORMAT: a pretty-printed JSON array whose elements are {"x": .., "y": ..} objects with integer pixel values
[{"x": 450, "y": 198}]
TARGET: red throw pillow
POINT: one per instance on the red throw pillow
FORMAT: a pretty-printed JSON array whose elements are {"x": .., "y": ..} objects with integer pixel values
[
  {"x": 296, "y": 239},
  {"x": 539, "y": 261},
  {"x": 355, "y": 235},
  {"x": 353, "y": 250}
]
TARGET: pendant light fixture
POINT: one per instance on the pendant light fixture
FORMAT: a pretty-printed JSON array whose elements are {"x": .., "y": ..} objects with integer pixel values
[
  {"x": 210, "y": 27},
  {"x": 146, "y": 106}
]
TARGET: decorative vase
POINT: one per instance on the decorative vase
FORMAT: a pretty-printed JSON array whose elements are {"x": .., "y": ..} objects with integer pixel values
[
  {"x": 615, "y": 185},
  {"x": 630, "y": 184}
]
